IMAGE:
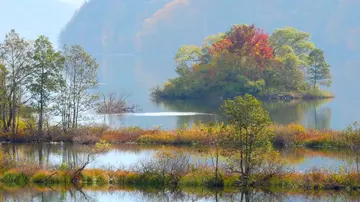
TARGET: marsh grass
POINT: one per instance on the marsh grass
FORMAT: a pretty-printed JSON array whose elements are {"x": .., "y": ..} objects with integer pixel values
[
  {"x": 284, "y": 136},
  {"x": 311, "y": 180}
]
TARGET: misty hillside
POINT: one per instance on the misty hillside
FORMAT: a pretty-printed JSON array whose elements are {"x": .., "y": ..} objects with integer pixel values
[
  {"x": 148, "y": 27},
  {"x": 108, "y": 25}
]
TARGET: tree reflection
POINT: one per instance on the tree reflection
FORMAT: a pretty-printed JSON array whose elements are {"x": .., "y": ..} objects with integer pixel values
[
  {"x": 309, "y": 113},
  {"x": 82, "y": 194}
]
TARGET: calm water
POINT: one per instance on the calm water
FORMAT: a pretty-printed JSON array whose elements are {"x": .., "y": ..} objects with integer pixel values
[
  {"x": 177, "y": 114},
  {"x": 126, "y": 156},
  {"x": 48, "y": 194}
]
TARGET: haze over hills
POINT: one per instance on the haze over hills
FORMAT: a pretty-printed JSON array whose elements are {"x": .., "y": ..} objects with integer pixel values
[{"x": 155, "y": 30}]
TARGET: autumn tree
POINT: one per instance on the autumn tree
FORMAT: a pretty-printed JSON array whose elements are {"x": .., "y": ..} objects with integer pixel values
[
  {"x": 319, "y": 69},
  {"x": 251, "y": 137},
  {"x": 246, "y": 41},
  {"x": 79, "y": 77},
  {"x": 46, "y": 78}
]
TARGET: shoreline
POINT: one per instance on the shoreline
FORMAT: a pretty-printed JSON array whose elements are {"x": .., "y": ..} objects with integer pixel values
[
  {"x": 261, "y": 98},
  {"x": 291, "y": 135}
]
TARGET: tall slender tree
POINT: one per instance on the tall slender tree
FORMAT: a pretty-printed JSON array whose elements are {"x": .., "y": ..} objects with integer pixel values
[
  {"x": 46, "y": 76},
  {"x": 319, "y": 69}
]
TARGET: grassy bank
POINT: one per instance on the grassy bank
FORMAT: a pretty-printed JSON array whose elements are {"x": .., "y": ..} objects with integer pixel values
[{"x": 284, "y": 135}]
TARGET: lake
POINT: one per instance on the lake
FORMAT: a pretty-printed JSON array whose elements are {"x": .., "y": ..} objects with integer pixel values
[{"x": 136, "y": 76}]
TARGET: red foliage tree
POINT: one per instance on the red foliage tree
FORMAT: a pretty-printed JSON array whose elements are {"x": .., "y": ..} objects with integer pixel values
[{"x": 244, "y": 40}]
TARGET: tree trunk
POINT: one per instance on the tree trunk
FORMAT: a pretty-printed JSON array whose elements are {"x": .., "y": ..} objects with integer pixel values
[
  {"x": 41, "y": 112},
  {"x": 217, "y": 165},
  {"x": 13, "y": 112}
]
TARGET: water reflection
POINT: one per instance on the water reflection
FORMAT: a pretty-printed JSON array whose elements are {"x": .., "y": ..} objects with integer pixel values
[
  {"x": 312, "y": 114},
  {"x": 177, "y": 114},
  {"x": 125, "y": 156},
  {"x": 168, "y": 120},
  {"x": 53, "y": 194}
]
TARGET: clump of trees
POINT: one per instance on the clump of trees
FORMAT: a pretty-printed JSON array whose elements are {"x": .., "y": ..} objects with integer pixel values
[
  {"x": 35, "y": 75},
  {"x": 247, "y": 60}
]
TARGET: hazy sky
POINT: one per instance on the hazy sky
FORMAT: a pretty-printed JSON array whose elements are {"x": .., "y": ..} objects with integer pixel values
[{"x": 31, "y": 18}]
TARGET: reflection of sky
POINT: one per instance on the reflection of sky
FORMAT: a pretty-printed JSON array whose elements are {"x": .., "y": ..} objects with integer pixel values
[
  {"x": 110, "y": 159},
  {"x": 321, "y": 163},
  {"x": 168, "y": 195}
]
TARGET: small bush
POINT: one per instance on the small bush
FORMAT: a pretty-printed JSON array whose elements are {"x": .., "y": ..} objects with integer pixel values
[
  {"x": 15, "y": 177},
  {"x": 95, "y": 176},
  {"x": 161, "y": 137}
]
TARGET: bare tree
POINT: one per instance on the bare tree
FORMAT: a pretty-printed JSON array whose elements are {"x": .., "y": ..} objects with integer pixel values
[
  {"x": 169, "y": 165},
  {"x": 112, "y": 103}
]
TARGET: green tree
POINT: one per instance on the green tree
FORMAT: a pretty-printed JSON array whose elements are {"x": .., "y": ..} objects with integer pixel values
[
  {"x": 79, "y": 76},
  {"x": 251, "y": 137},
  {"x": 292, "y": 47},
  {"x": 319, "y": 69},
  {"x": 46, "y": 76},
  {"x": 291, "y": 76},
  {"x": 15, "y": 54},
  {"x": 290, "y": 40}
]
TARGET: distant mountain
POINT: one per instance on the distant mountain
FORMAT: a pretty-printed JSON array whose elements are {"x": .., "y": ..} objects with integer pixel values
[
  {"x": 108, "y": 26},
  {"x": 161, "y": 26}
]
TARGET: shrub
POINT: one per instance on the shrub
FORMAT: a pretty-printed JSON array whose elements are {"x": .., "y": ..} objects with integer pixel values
[
  {"x": 122, "y": 135},
  {"x": 161, "y": 137},
  {"x": 285, "y": 135},
  {"x": 15, "y": 177},
  {"x": 87, "y": 134},
  {"x": 95, "y": 176}
]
